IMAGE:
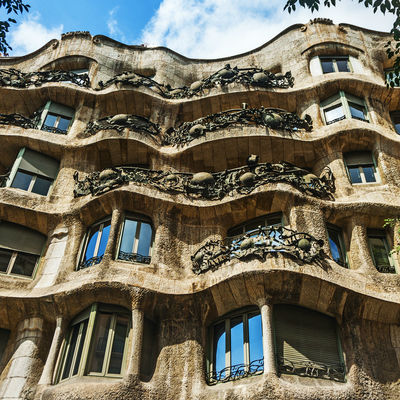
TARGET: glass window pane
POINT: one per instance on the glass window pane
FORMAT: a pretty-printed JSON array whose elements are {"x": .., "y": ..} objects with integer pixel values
[
  {"x": 71, "y": 351},
  {"x": 50, "y": 120},
  {"x": 355, "y": 176},
  {"x": 255, "y": 340},
  {"x": 42, "y": 186},
  {"x": 237, "y": 351},
  {"x": 369, "y": 173},
  {"x": 145, "y": 239},
  {"x": 128, "y": 236},
  {"x": 104, "y": 238},
  {"x": 333, "y": 114},
  {"x": 63, "y": 124},
  {"x": 22, "y": 180},
  {"x": 91, "y": 244},
  {"x": 24, "y": 264},
  {"x": 5, "y": 256},
  {"x": 380, "y": 254},
  {"x": 343, "y": 65},
  {"x": 327, "y": 66},
  {"x": 117, "y": 350},
  {"x": 219, "y": 350},
  {"x": 81, "y": 343},
  {"x": 397, "y": 127},
  {"x": 99, "y": 342},
  {"x": 357, "y": 111},
  {"x": 336, "y": 247}
]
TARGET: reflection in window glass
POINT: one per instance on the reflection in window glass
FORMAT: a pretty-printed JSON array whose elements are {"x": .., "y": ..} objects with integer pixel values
[
  {"x": 327, "y": 66},
  {"x": 5, "y": 258},
  {"x": 357, "y": 111},
  {"x": 380, "y": 252},
  {"x": 336, "y": 245},
  {"x": 99, "y": 342},
  {"x": 42, "y": 185},
  {"x": 334, "y": 114},
  {"x": 369, "y": 173},
  {"x": 24, "y": 264},
  {"x": 219, "y": 349},
  {"x": 343, "y": 65},
  {"x": 22, "y": 180},
  {"x": 50, "y": 120},
  {"x": 237, "y": 355},
  {"x": 355, "y": 175},
  {"x": 255, "y": 338},
  {"x": 118, "y": 347}
]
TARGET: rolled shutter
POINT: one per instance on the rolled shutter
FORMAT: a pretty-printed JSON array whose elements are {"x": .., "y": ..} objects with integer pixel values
[
  {"x": 60, "y": 109},
  {"x": 39, "y": 164},
  {"x": 19, "y": 238},
  {"x": 304, "y": 336},
  {"x": 358, "y": 158}
]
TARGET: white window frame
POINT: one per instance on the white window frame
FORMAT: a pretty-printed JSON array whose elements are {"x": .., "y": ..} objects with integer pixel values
[
  {"x": 334, "y": 63},
  {"x": 360, "y": 169}
]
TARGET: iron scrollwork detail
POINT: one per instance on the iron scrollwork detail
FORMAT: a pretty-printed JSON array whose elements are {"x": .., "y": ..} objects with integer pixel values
[
  {"x": 17, "y": 120},
  {"x": 204, "y": 185},
  {"x": 268, "y": 117},
  {"x": 15, "y": 78},
  {"x": 334, "y": 372},
  {"x": 133, "y": 257},
  {"x": 256, "y": 77},
  {"x": 258, "y": 243},
  {"x": 121, "y": 121},
  {"x": 90, "y": 262},
  {"x": 235, "y": 372}
]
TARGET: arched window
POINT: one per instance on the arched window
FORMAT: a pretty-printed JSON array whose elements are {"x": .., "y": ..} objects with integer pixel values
[
  {"x": 307, "y": 343},
  {"x": 95, "y": 243},
  {"x": 20, "y": 249},
  {"x": 236, "y": 349},
  {"x": 136, "y": 239},
  {"x": 96, "y": 343}
]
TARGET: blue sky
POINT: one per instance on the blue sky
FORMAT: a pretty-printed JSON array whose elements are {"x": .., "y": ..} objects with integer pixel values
[{"x": 194, "y": 28}]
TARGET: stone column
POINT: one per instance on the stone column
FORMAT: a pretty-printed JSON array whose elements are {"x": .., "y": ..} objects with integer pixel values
[
  {"x": 133, "y": 367},
  {"x": 24, "y": 360},
  {"x": 48, "y": 370},
  {"x": 268, "y": 340},
  {"x": 113, "y": 237}
]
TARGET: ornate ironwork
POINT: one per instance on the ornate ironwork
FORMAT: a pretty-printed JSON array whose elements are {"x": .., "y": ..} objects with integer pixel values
[
  {"x": 204, "y": 185},
  {"x": 18, "y": 120},
  {"x": 269, "y": 117},
  {"x": 386, "y": 269},
  {"x": 258, "y": 243},
  {"x": 90, "y": 262},
  {"x": 235, "y": 372},
  {"x": 52, "y": 129},
  {"x": 256, "y": 77},
  {"x": 133, "y": 257},
  {"x": 336, "y": 120},
  {"x": 336, "y": 372},
  {"x": 120, "y": 122},
  {"x": 15, "y": 78}
]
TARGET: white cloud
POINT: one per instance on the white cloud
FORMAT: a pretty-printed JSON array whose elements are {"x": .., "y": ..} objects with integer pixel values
[
  {"x": 29, "y": 35},
  {"x": 112, "y": 25},
  {"x": 218, "y": 28}
]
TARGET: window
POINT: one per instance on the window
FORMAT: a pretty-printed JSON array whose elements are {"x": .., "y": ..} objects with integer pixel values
[
  {"x": 96, "y": 343},
  {"x": 395, "y": 116},
  {"x": 342, "y": 106},
  {"x": 274, "y": 219},
  {"x": 391, "y": 78},
  {"x": 380, "y": 251},
  {"x": 20, "y": 249},
  {"x": 236, "y": 349},
  {"x": 336, "y": 244},
  {"x": 4, "y": 335},
  {"x": 361, "y": 167},
  {"x": 335, "y": 64},
  {"x": 33, "y": 172},
  {"x": 95, "y": 243},
  {"x": 307, "y": 343},
  {"x": 136, "y": 240},
  {"x": 55, "y": 118}
]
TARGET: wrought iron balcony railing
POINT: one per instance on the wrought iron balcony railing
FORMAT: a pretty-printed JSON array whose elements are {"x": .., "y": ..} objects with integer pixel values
[
  {"x": 133, "y": 257},
  {"x": 90, "y": 262},
  {"x": 258, "y": 243}
]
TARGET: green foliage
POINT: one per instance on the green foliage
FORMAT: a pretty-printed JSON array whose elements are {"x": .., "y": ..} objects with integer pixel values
[
  {"x": 11, "y": 6},
  {"x": 391, "y": 222},
  {"x": 384, "y": 6}
]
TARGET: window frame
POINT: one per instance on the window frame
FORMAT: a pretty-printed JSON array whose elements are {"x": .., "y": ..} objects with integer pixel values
[
  {"x": 91, "y": 315},
  {"x": 244, "y": 313},
  {"x": 58, "y": 110},
  {"x": 85, "y": 243},
  {"x": 11, "y": 263},
  {"x": 395, "y": 116},
  {"x": 334, "y": 63},
  {"x": 343, "y": 99},
  {"x": 339, "y": 231},
  {"x": 139, "y": 219},
  {"x": 381, "y": 234},
  {"x": 16, "y": 167},
  {"x": 360, "y": 168}
]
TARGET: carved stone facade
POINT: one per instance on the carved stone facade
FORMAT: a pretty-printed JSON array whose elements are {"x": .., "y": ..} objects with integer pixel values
[{"x": 149, "y": 202}]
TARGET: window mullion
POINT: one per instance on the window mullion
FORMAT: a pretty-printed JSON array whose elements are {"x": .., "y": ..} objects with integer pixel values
[
  {"x": 110, "y": 340},
  {"x": 67, "y": 345},
  {"x": 88, "y": 336},
  {"x": 32, "y": 183},
  {"x": 137, "y": 236},
  {"x": 227, "y": 347},
  {"x": 11, "y": 262},
  {"x": 360, "y": 168},
  {"x": 78, "y": 341},
  {"x": 100, "y": 234},
  {"x": 345, "y": 104},
  {"x": 246, "y": 349}
]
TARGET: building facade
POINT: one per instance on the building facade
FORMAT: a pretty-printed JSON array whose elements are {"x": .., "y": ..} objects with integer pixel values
[{"x": 173, "y": 228}]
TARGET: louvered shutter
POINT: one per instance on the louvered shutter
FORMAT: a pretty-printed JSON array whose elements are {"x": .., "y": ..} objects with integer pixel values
[{"x": 305, "y": 337}]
